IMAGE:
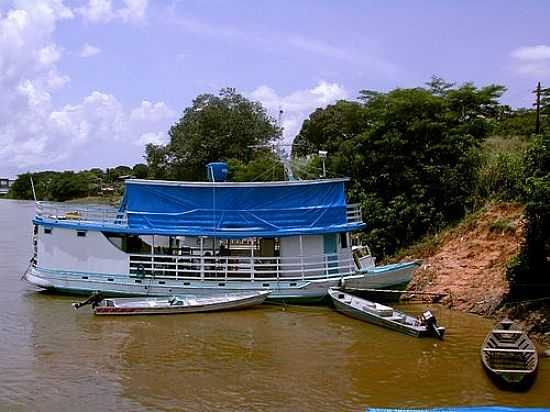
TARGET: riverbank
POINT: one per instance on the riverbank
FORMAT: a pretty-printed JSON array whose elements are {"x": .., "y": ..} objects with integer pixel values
[
  {"x": 468, "y": 264},
  {"x": 108, "y": 200}
]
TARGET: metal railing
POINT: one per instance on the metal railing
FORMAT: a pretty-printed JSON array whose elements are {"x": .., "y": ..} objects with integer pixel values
[
  {"x": 240, "y": 268},
  {"x": 81, "y": 213},
  {"x": 354, "y": 213},
  {"x": 110, "y": 215}
]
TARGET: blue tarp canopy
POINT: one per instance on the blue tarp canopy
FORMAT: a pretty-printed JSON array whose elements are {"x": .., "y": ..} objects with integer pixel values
[{"x": 237, "y": 209}]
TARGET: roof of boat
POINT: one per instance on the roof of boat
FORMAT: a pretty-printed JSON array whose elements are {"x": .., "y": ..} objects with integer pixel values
[
  {"x": 182, "y": 183},
  {"x": 231, "y": 209}
]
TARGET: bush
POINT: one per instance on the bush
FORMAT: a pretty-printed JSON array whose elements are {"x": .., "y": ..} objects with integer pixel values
[
  {"x": 500, "y": 170},
  {"x": 529, "y": 274}
]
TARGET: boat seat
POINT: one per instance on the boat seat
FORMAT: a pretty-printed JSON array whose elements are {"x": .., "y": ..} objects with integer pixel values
[
  {"x": 509, "y": 332},
  {"x": 505, "y": 345},
  {"x": 510, "y": 370}
]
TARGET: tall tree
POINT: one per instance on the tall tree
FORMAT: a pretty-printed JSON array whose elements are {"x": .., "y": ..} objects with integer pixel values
[
  {"x": 215, "y": 128},
  {"x": 530, "y": 272},
  {"x": 326, "y": 128},
  {"x": 409, "y": 153}
]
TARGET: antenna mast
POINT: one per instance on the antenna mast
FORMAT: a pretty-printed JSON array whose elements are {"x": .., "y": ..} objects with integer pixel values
[{"x": 280, "y": 152}]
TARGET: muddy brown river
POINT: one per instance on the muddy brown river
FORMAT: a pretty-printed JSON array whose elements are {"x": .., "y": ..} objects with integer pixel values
[{"x": 270, "y": 358}]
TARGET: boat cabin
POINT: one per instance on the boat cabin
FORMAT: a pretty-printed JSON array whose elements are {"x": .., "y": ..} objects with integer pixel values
[{"x": 204, "y": 231}]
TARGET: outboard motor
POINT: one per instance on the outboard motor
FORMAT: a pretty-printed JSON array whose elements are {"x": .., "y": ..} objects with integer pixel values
[
  {"x": 95, "y": 299},
  {"x": 431, "y": 323}
]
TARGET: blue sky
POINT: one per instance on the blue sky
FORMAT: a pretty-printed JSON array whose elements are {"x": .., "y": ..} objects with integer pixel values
[{"x": 87, "y": 83}]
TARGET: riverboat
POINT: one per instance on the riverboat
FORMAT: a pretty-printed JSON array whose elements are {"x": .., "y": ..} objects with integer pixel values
[
  {"x": 509, "y": 357},
  {"x": 385, "y": 316},
  {"x": 168, "y": 237}
]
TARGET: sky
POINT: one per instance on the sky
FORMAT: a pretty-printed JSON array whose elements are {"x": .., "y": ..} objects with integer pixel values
[{"x": 87, "y": 83}]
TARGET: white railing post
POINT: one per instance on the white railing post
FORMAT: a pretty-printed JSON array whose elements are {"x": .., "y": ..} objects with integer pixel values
[
  {"x": 325, "y": 261},
  {"x": 277, "y": 260},
  {"x": 201, "y": 263},
  {"x": 252, "y": 268}
]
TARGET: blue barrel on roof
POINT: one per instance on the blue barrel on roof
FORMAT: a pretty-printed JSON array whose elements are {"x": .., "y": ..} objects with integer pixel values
[{"x": 217, "y": 171}]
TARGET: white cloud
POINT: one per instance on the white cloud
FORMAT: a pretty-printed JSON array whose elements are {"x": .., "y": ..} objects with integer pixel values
[
  {"x": 88, "y": 50},
  {"x": 134, "y": 10},
  {"x": 298, "y": 105},
  {"x": 538, "y": 69},
  {"x": 102, "y": 11},
  {"x": 532, "y": 61},
  {"x": 97, "y": 11},
  {"x": 35, "y": 133},
  {"x": 539, "y": 52},
  {"x": 358, "y": 56}
]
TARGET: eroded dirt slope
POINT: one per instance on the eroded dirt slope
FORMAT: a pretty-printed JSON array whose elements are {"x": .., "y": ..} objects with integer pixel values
[{"x": 470, "y": 262}]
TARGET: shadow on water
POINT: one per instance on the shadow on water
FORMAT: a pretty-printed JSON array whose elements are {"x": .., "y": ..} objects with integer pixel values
[{"x": 268, "y": 358}]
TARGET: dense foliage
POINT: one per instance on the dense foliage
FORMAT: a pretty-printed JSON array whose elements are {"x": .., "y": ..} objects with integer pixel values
[
  {"x": 411, "y": 154},
  {"x": 61, "y": 186},
  {"x": 499, "y": 172},
  {"x": 530, "y": 272},
  {"x": 214, "y": 128}
]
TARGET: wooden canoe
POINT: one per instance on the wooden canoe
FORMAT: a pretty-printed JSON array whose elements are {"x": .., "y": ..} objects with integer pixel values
[
  {"x": 509, "y": 357},
  {"x": 385, "y": 316}
]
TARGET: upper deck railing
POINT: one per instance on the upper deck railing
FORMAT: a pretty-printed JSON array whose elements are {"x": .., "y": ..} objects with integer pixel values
[
  {"x": 80, "y": 213},
  {"x": 354, "y": 213},
  {"x": 109, "y": 215}
]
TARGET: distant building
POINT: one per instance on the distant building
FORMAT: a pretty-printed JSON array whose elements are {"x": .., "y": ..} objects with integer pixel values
[{"x": 5, "y": 185}]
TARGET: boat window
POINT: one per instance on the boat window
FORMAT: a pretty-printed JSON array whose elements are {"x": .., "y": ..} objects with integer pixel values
[
  {"x": 344, "y": 240},
  {"x": 47, "y": 230},
  {"x": 81, "y": 233},
  {"x": 269, "y": 247},
  {"x": 170, "y": 245},
  {"x": 129, "y": 243}
]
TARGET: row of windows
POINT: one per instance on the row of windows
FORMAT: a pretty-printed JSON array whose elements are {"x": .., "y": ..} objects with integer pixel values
[{"x": 135, "y": 244}]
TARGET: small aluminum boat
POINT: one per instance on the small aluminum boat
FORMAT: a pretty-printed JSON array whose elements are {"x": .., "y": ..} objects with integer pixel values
[
  {"x": 509, "y": 357},
  {"x": 173, "y": 304},
  {"x": 381, "y": 315}
]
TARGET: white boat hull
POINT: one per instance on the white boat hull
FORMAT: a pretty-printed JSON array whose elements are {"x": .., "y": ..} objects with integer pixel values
[
  {"x": 383, "y": 277},
  {"x": 82, "y": 283}
]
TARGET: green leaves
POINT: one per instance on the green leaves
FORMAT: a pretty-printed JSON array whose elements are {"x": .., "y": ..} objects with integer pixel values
[
  {"x": 214, "y": 128},
  {"x": 408, "y": 152},
  {"x": 529, "y": 273}
]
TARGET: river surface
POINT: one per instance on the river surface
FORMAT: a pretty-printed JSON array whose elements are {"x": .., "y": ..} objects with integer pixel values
[{"x": 266, "y": 359}]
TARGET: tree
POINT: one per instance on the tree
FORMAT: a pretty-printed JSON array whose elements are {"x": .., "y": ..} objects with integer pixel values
[
  {"x": 438, "y": 86},
  {"x": 214, "y": 128},
  {"x": 327, "y": 128},
  {"x": 529, "y": 273},
  {"x": 158, "y": 163},
  {"x": 140, "y": 171},
  {"x": 264, "y": 167},
  {"x": 411, "y": 154}
]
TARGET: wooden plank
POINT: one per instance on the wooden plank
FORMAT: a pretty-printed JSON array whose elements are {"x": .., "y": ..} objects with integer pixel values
[
  {"x": 512, "y": 370},
  {"x": 514, "y": 332}
]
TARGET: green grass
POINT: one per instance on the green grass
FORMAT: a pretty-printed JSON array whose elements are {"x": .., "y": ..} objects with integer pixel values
[{"x": 502, "y": 226}]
